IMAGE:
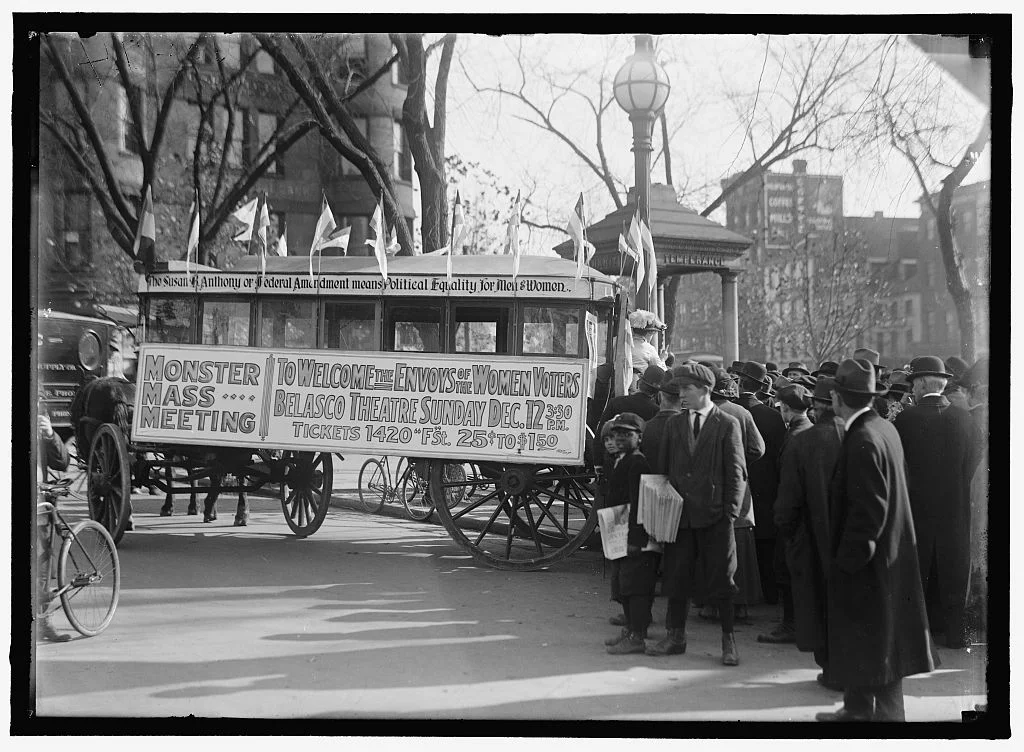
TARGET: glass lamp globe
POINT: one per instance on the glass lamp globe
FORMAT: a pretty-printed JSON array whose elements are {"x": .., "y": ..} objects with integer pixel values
[{"x": 641, "y": 85}]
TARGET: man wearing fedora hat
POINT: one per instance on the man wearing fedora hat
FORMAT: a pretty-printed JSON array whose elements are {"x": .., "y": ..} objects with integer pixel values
[
  {"x": 763, "y": 473},
  {"x": 826, "y": 368},
  {"x": 942, "y": 454},
  {"x": 801, "y": 516},
  {"x": 877, "y": 625},
  {"x": 795, "y": 370},
  {"x": 702, "y": 452}
]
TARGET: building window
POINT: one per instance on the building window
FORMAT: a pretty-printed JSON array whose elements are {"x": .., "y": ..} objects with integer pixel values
[
  {"x": 267, "y": 124},
  {"x": 402, "y": 157},
  {"x": 908, "y": 307},
  {"x": 950, "y": 324},
  {"x": 909, "y": 268},
  {"x": 880, "y": 342},
  {"x": 264, "y": 62},
  {"x": 128, "y": 140},
  {"x": 894, "y": 312},
  {"x": 278, "y": 224},
  {"x": 77, "y": 229},
  {"x": 239, "y": 133},
  {"x": 363, "y": 124},
  {"x": 909, "y": 335}
]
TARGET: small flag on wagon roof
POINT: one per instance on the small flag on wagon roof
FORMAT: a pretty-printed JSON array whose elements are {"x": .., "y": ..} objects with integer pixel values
[
  {"x": 258, "y": 241},
  {"x": 245, "y": 214},
  {"x": 577, "y": 228},
  {"x": 282, "y": 241},
  {"x": 145, "y": 236},
  {"x": 458, "y": 231},
  {"x": 512, "y": 234},
  {"x": 379, "y": 242},
  {"x": 193, "y": 235}
]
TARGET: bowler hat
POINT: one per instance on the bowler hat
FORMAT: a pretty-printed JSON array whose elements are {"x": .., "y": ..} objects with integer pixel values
[
  {"x": 794, "y": 396},
  {"x": 927, "y": 365},
  {"x": 823, "y": 389},
  {"x": 627, "y": 422},
  {"x": 827, "y": 368},
  {"x": 756, "y": 371},
  {"x": 866, "y": 353},
  {"x": 857, "y": 376},
  {"x": 652, "y": 376},
  {"x": 769, "y": 366},
  {"x": 795, "y": 366},
  {"x": 956, "y": 366},
  {"x": 688, "y": 373}
]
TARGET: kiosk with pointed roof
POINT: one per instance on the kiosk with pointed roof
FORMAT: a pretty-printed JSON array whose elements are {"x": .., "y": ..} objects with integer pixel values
[{"x": 684, "y": 243}]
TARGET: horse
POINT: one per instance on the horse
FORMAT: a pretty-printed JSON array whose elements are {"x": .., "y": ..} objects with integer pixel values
[{"x": 111, "y": 399}]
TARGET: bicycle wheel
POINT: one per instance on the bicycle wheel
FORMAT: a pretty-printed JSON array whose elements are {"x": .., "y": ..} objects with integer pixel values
[
  {"x": 89, "y": 577},
  {"x": 415, "y": 496},
  {"x": 454, "y": 476},
  {"x": 373, "y": 485}
]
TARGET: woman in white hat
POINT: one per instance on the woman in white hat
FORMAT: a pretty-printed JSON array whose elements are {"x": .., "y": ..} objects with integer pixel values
[{"x": 645, "y": 327}]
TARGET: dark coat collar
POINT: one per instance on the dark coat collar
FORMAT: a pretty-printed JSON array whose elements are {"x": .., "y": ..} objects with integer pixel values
[
  {"x": 934, "y": 400},
  {"x": 799, "y": 422}
]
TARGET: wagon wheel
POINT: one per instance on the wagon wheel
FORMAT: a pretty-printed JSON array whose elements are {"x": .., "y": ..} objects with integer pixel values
[
  {"x": 519, "y": 517},
  {"x": 109, "y": 480},
  {"x": 306, "y": 491}
]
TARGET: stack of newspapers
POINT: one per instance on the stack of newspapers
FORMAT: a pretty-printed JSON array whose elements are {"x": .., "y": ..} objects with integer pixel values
[{"x": 660, "y": 508}]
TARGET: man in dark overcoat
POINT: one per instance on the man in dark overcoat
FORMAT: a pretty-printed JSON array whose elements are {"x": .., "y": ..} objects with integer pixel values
[
  {"x": 941, "y": 448},
  {"x": 801, "y": 516},
  {"x": 794, "y": 400},
  {"x": 702, "y": 451},
  {"x": 654, "y": 429},
  {"x": 642, "y": 402},
  {"x": 763, "y": 473},
  {"x": 877, "y": 625}
]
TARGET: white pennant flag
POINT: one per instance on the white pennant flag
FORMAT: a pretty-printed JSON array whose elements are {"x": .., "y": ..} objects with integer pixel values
[
  {"x": 193, "y": 235},
  {"x": 324, "y": 227},
  {"x": 282, "y": 242},
  {"x": 512, "y": 235},
  {"x": 651, "y": 264},
  {"x": 379, "y": 242},
  {"x": 245, "y": 214},
  {"x": 636, "y": 243},
  {"x": 458, "y": 231}
]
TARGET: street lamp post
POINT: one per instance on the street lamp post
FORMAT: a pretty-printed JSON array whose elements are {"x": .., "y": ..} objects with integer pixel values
[{"x": 641, "y": 88}]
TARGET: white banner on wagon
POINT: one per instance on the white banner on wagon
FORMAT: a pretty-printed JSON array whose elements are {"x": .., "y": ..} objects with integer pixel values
[{"x": 412, "y": 404}]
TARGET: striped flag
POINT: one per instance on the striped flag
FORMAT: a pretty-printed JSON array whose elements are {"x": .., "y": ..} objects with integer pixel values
[
  {"x": 193, "y": 235},
  {"x": 512, "y": 235},
  {"x": 245, "y": 214},
  {"x": 144, "y": 248},
  {"x": 651, "y": 263},
  {"x": 636, "y": 243},
  {"x": 577, "y": 228},
  {"x": 379, "y": 243}
]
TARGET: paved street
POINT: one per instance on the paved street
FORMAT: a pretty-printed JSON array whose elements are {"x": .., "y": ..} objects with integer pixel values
[{"x": 377, "y": 616}]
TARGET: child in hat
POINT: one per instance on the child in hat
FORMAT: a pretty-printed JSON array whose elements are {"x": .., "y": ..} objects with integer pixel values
[{"x": 633, "y": 580}]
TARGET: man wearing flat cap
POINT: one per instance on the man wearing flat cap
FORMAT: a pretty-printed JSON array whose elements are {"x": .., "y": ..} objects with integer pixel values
[
  {"x": 941, "y": 447},
  {"x": 801, "y": 516},
  {"x": 877, "y": 625},
  {"x": 763, "y": 473},
  {"x": 702, "y": 452}
]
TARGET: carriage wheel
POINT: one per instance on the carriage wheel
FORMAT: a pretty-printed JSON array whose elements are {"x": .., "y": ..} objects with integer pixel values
[
  {"x": 306, "y": 491},
  {"x": 109, "y": 480},
  {"x": 518, "y": 517}
]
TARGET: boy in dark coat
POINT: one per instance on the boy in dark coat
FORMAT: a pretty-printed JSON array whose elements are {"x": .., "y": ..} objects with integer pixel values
[
  {"x": 877, "y": 625},
  {"x": 801, "y": 516},
  {"x": 704, "y": 456},
  {"x": 941, "y": 447},
  {"x": 635, "y": 577}
]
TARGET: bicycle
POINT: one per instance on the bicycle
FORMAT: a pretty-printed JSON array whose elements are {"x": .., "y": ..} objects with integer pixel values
[
  {"x": 88, "y": 568},
  {"x": 409, "y": 484}
]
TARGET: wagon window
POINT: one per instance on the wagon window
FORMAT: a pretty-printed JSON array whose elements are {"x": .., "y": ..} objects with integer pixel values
[
  {"x": 350, "y": 325},
  {"x": 226, "y": 322},
  {"x": 171, "y": 320},
  {"x": 551, "y": 330},
  {"x": 288, "y": 323},
  {"x": 481, "y": 329},
  {"x": 414, "y": 328}
]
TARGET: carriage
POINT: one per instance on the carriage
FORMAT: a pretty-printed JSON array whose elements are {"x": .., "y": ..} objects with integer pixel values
[{"x": 267, "y": 375}]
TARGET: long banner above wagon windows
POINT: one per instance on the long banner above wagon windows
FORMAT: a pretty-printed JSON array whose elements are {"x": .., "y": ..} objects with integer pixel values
[
  {"x": 364, "y": 284},
  {"x": 411, "y": 404}
]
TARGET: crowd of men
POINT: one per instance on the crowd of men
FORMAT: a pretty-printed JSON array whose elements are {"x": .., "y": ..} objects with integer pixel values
[{"x": 861, "y": 509}]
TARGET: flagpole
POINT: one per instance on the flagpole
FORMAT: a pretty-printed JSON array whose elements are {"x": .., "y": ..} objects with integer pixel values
[{"x": 622, "y": 258}]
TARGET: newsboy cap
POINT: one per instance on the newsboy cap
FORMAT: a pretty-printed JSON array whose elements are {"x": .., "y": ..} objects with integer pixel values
[
  {"x": 794, "y": 396},
  {"x": 627, "y": 422},
  {"x": 689, "y": 373}
]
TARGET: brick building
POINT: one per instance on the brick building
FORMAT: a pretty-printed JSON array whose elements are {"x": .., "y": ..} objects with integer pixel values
[{"x": 81, "y": 264}]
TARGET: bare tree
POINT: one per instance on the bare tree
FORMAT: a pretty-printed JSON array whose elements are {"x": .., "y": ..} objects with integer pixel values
[
  {"x": 157, "y": 75},
  {"x": 907, "y": 121}
]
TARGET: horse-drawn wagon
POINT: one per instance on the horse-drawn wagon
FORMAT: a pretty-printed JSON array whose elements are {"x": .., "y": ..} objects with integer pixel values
[{"x": 266, "y": 375}]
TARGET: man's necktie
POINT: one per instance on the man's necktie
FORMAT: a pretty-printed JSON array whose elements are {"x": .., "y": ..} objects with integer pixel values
[{"x": 696, "y": 424}]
